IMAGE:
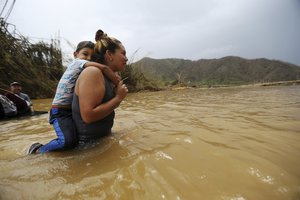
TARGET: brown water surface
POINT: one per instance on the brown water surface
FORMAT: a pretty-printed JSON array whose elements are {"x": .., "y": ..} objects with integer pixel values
[{"x": 226, "y": 143}]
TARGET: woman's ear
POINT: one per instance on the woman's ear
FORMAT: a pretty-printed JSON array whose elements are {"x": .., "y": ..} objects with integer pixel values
[
  {"x": 109, "y": 55},
  {"x": 75, "y": 54}
]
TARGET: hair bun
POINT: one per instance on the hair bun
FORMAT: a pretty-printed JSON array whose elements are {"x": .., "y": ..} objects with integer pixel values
[{"x": 100, "y": 34}]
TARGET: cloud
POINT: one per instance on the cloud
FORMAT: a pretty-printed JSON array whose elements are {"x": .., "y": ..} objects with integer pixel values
[{"x": 189, "y": 29}]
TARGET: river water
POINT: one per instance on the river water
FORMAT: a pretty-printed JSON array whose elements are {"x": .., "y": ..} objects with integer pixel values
[{"x": 238, "y": 143}]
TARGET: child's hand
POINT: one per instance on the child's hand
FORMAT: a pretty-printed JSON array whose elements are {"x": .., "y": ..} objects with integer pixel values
[
  {"x": 112, "y": 76},
  {"x": 118, "y": 77}
]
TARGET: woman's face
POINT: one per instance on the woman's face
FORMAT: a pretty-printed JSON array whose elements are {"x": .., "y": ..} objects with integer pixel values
[{"x": 119, "y": 59}]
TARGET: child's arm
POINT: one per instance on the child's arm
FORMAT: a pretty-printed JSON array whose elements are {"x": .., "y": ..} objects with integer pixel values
[{"x": 106, "y": 71}]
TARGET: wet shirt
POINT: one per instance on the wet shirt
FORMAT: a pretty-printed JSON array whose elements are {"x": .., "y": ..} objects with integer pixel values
[
  {"x": 65, "y": 87},
  {"x": 92, "y": 131}
]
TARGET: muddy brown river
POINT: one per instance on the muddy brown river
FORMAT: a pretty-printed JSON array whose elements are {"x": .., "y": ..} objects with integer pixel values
[{"x": 238, "y": 143}]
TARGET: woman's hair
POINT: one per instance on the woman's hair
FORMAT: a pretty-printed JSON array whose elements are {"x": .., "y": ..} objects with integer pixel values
[
  {"x": 85, "y": 44},
  {"x": 104, "y": 43}
]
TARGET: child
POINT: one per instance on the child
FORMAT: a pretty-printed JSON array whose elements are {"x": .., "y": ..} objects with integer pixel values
[{"x": 61, "y": 112}]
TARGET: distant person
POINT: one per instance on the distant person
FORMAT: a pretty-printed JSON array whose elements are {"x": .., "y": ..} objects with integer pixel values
[
  {"x": 61, "y": 111},
  {"x": 21, "y": 100},
  {"x": 95, "y": 98}
]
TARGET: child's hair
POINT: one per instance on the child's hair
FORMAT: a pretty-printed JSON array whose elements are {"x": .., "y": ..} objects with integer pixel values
[
  {"x": 85, "y": 44},
  {"x": 104, "y": 43}
]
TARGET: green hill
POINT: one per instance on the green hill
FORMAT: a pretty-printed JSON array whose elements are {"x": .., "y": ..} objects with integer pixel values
[{"x": 224, "y": 71}]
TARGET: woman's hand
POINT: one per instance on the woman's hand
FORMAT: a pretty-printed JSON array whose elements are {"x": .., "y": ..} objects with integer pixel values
[{"x": 121, "y": 91}]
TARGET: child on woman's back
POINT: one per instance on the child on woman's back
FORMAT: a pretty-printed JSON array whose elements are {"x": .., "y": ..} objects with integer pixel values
[{"x": 61, "y": 113}]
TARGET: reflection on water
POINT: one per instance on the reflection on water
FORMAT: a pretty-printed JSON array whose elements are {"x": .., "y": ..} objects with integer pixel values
[{"x": 227, "y": 143}]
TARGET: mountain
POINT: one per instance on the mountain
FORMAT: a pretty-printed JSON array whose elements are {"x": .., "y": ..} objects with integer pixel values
[{"x": 229, "y": 70}]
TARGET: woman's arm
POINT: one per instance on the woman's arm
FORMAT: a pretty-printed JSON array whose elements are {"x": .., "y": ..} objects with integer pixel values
[{"x": 90, "y": 89}]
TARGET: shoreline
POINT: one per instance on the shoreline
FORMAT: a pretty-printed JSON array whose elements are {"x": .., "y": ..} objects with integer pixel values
[
  {"x": 276, "y": 83},
  {"x": 283, "y": 83}
]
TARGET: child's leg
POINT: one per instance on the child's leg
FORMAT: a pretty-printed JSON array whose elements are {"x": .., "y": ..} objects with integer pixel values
[{"x": 65, "y": 130}]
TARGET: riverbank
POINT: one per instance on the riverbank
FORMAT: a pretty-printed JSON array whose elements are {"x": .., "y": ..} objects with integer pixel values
[
  {"x": 277, "y": 83},
  {"x": 283, "y": 83}
]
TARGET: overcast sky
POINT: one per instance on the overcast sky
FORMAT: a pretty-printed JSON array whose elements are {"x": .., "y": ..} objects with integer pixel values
[{"x": 189, "y": 29}]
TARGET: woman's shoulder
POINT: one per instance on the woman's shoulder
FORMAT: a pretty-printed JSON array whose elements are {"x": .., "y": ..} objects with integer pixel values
[
  {"x": 91, "y": 72},
  {"x": 92, "y": 69}
]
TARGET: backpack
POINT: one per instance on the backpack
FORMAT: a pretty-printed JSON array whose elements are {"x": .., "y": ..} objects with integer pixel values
[{"x": 7, "y": 107}]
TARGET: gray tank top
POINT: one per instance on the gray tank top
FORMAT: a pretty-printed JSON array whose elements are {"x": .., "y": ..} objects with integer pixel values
[{"x": 88, "y": 132}]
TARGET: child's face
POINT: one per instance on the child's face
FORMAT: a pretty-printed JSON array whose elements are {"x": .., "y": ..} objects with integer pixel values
[{"x": 84, "y": 54}]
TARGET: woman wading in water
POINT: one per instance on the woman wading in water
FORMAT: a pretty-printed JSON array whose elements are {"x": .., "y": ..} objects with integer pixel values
[{"x": 95, "y": 97}]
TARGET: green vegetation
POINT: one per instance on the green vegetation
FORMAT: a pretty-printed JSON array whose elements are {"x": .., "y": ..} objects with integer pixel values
[
  {"x": 136, "y": 80},
  {"x": 37, "y": 67}
]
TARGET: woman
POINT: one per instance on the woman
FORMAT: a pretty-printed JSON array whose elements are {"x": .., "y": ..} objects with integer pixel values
[{"x": 95, "y": 97}]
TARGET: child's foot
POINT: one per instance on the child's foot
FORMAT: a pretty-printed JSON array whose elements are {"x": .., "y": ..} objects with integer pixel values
[{"x": 34, "y": 147}]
